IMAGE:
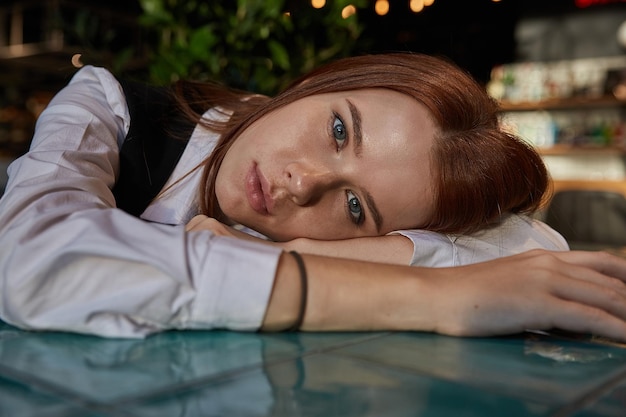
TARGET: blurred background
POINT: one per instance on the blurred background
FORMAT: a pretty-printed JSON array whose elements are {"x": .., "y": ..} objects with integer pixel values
[
  {"x": 558, "y": 67},
  {"x": 260, "y": 45}
]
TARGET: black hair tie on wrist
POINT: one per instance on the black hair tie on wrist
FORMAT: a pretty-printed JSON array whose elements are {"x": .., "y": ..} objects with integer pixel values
[{"x": 303, "y": 292}]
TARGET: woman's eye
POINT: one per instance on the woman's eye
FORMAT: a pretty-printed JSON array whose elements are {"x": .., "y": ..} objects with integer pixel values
[
  {"x": 339, "y": 131},
  {"x": 354, "y": 208}
]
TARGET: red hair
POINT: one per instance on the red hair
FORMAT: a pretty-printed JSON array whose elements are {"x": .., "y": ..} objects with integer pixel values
[{"x": 481, "y": 171}]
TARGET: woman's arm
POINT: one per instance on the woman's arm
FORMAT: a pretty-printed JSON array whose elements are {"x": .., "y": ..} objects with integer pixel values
[
  {"x": 515, "y": 234},
  {"x": 393, "y": 249},
  {"x": 69, "y": 260},
  {"x": 539, "y": 290}
]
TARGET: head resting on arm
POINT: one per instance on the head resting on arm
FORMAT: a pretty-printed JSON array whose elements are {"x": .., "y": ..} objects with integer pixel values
[{"x": 481, "y": 171}]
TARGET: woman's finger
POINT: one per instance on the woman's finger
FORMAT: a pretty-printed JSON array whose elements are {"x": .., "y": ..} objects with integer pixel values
[
  {"x": 591, "y": 295},
  {"x": 595, "y": 291},
  {"x": 581, "y": 318},
  {"x": 592, "y": 274},
  {"x": 602, "y": 262}
]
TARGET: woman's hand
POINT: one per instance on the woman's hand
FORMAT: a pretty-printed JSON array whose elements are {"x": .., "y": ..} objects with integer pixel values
[
  {"x": 575, "y": 291},
  {"x": 202, "y": 222}
]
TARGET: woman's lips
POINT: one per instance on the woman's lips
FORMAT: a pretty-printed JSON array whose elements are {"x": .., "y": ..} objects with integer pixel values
[{"x": 256, "y": 186}]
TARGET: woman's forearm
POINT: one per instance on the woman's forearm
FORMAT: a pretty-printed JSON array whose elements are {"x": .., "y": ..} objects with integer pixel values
[
  {"x": 394, "y": 249},
  {"x": 541, "y": 290},
  {"x": 348, "y": 295}
]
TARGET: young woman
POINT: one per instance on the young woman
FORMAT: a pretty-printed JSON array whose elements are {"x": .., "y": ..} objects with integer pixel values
[
  {"x": 431, "y": 156},
  {"x": 359, "y": 149}
]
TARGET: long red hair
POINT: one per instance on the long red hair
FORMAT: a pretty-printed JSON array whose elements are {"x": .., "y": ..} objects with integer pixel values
[{"x": 481, "y": 171}]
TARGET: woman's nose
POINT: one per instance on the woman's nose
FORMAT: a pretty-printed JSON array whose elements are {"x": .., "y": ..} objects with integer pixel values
[{"x": 307, "y": 182}]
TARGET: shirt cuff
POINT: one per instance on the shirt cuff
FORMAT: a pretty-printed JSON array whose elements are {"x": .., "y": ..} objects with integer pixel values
[{"x": 235, "y": 284}]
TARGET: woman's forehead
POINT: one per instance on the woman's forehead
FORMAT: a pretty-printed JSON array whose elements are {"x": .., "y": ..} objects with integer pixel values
[{"x": 397, "y": 139}]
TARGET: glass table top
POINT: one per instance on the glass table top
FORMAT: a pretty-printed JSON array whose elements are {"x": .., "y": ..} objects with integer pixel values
[{"x": 219, "y": 373}]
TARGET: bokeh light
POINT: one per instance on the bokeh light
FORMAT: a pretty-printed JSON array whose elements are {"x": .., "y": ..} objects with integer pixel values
[
  {"x": 348, "y": 11},
  {"x": 381, "y": 7},
  {"x": 416, "y": 5}
]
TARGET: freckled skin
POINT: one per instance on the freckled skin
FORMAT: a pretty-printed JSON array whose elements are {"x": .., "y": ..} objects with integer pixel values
[{"x": 309, "y": 175}]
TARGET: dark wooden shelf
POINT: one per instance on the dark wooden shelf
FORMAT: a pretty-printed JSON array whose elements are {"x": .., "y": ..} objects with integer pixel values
[
  {"x": 563, "y": 104},
  {"x": 618, "y": 186}
]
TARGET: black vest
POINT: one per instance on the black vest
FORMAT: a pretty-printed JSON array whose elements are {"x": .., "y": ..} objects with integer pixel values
[{"x": 155, "y": 142}]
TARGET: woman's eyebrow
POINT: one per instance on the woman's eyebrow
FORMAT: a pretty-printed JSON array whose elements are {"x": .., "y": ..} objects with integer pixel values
[
  {"x": 357, "y": 147},
  {"x": 356, "y": 127},
  {"x": 378, "y": 219}
]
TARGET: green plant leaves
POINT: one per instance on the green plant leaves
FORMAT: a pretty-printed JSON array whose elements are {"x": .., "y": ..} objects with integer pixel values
[
  {"x": 258, "y": 45},
  {"x": 280, "y": 56}
]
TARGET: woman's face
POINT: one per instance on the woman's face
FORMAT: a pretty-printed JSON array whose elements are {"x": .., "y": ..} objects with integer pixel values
[{"x": 332, "y": 166}]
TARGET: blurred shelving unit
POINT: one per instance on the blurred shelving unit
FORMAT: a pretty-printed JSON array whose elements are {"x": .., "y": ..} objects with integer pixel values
[{"x": 574, "y": 112}]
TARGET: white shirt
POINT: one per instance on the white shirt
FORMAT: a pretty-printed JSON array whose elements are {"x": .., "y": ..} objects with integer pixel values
[
  {"x": 514, "y": 234},
  {"x": 69, "y": 260}
]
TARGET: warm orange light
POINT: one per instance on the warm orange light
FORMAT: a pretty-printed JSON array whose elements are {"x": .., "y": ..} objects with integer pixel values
[
  {"x": 428, "y": 2},
  {"x": 76, "y": 61},
  {"x": 381, "y": 7},
  {"x": 318, "y": 4},
  {"x": 348, "y": 11},
  {"x": 620, "y": 92},
  {"x": 416, "y": 5},
  {"x": 496, "y": 1}
]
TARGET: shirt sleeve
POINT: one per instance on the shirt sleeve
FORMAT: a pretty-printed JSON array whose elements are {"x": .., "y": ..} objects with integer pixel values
[
  {"x": 515, "y": 234},
  {"x": 71, "y": 261}
]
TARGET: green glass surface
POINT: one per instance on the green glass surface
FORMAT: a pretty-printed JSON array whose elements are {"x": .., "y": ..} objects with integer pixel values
[
  {"x": 536, "y": 368},
  {"x": 21, "y": 400},
  {"x": 612, "y": 404},
  {"x": 202, "y": 373},
  {"x": 329, "y": 385}
]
